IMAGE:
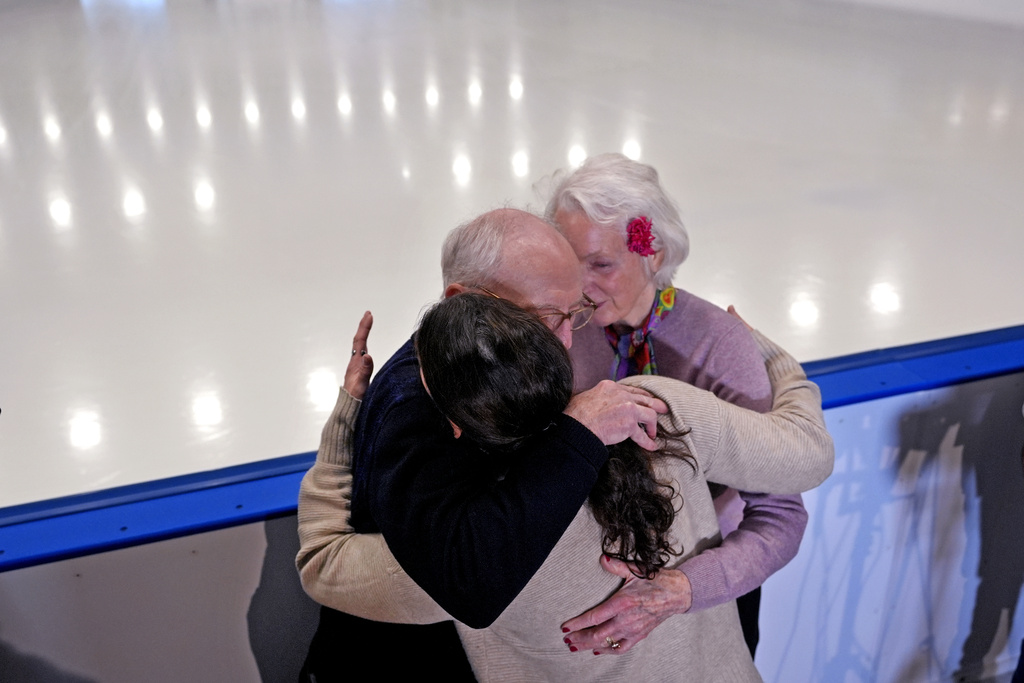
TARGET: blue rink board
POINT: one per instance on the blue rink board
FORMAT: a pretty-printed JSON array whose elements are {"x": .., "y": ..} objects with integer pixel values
[{"x": 73, "y": 526}]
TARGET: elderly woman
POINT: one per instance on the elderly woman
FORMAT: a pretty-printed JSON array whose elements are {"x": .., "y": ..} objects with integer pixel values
[
  {"x": 501, "y": 376},
  {"x": 628, "y": 235}
]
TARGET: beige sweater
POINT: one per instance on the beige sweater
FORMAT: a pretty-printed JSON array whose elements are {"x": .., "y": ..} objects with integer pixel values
[{"x": 785, "y": 451}]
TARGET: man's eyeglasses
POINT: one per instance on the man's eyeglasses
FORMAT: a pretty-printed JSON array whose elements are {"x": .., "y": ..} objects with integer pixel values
[{"x": 553, "y": 318}]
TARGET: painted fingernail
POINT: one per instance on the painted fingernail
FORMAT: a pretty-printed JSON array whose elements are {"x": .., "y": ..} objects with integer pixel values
[
  {"x": 566, "y": 641},
  {"x": 596, "y": 652},
  {"x": 572, "y": 648},
  {"x": 565, "y": 630}
]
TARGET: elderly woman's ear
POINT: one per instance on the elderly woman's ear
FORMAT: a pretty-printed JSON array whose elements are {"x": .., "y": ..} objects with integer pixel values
[{"x": 657, "y": 258}]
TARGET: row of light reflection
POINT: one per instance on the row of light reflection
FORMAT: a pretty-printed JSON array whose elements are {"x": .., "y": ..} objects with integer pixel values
[
  {"x": 883, "y": 297},
  {"x": 998, "y": 112},
  {"x": 133, "y": 203},
  {"x": 86, "y": 432},
  {"x": 251, "y": 111},
  {"x": 85, "y": 429}
]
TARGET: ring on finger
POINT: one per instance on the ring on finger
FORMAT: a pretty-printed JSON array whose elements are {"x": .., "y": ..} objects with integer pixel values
[{"x": 614, "y": 644}]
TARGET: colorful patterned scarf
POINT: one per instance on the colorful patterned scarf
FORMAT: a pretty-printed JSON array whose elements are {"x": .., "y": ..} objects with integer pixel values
[{"x": 634, "y": 354}]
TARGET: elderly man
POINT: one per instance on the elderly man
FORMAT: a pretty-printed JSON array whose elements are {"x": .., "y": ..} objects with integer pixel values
[{"x": 473, "y": 553}]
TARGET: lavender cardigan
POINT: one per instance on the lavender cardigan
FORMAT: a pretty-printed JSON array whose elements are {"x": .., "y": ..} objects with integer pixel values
[{"x": 702, "y": 345}]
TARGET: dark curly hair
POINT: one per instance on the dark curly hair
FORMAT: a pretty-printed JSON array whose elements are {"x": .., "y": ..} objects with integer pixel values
[
  {"x": 636, "y": 510},
  {"x": 502, "y": 376}
]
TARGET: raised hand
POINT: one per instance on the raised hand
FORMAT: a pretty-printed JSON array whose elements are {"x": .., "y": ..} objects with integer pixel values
[{"x": 360, "y": 366}]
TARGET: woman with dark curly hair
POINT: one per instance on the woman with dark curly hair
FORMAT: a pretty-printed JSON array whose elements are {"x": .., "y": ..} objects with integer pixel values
[{"x": 500, "y": 377}]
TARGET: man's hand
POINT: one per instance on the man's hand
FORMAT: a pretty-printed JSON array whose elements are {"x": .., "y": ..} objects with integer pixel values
[
  {"x": 631, "y": 613},
  {"x": 360, "y": 366},
  {"x": 616, "y": 412}
]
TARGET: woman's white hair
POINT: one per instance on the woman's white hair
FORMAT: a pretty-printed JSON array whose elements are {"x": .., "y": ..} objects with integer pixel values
[{"x": 612, "y": 190}]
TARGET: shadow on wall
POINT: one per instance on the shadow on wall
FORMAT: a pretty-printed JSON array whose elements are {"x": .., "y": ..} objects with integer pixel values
[
  {"x": 959, "y": 475},
  {"x": 911, "y": 567},
  {"x": 24, "y": 668},
  {"x": 991, "y": 471},
  {"x": 281, "y": 617}
]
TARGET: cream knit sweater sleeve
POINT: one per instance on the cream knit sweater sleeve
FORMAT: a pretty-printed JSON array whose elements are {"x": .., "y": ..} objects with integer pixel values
[
  {"x": 354, "y": 573},
  {"x": 785, "y": 451}
]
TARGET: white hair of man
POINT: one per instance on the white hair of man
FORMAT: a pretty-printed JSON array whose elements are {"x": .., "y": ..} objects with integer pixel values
[
  {"x": 471, "y": 254},
  {"x": 612, "y": 190}
]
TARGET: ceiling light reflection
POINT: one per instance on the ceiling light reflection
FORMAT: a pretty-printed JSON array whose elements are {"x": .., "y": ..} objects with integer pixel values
[
  {"x": 252, "y": 113},
  {"x": 389, "y": 101},
  {"x": 51, "y": 128},
  {"x": 134, "y": 4},
  {"x": 207, "y": 410},
  {"x": 84, "y": 430},
  {"x": 203, "y": 116},
  {"x": 515, "y": 88},
  {"x": 406, "y": 172},
  {"x": 577, "y": 155},
  {"x": 3, "y": 136},
  {"x": 298, "y": 109},
  {"x": 134, "y": 203},
  {"x": 323, "y": 389},
  {"x": 204, "y": 195},
  {"x": 999, "y": 112},
  {"x": 631, "y": 149},
  {"x": 60, "y": 211},
  {"x": 521, "y": 164},
  {"x": 104, "y": 126},
  {"x": 462, "y": 169},
  {"x": 345, "y": 105},
  {"x": 476, "y": 93},
  {"x": 155, "y": 120},
  {"x": 804, "y": 312},
  {"x": 956, "y": 112},
  {"x": 433, "y": 96},
  {"x": 885, "y": 298}
]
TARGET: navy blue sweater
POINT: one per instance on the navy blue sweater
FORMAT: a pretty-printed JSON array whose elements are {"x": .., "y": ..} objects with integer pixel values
[{"x": 469, "y": 529}]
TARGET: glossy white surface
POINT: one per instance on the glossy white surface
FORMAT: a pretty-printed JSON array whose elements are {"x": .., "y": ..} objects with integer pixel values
[{"x": 197, "y": 200}]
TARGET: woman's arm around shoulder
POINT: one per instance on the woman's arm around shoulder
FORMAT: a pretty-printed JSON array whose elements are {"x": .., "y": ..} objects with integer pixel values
[
  {"x": 354, "y": 573},
  {"x": 785, "y": 451}
]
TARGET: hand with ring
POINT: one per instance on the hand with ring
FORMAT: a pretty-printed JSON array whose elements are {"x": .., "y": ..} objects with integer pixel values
[
  {"x": 631, "y": 613},
  {"x": 360, "y": 365}
]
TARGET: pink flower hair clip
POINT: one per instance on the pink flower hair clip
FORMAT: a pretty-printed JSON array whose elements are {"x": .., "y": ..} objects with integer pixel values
[{"x": 639, "y": 237}]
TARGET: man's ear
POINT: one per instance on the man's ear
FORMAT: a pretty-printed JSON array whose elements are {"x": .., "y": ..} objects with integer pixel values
[
  {"x": 456, "y": 429},
  {"x": 453, "y": 289}
]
